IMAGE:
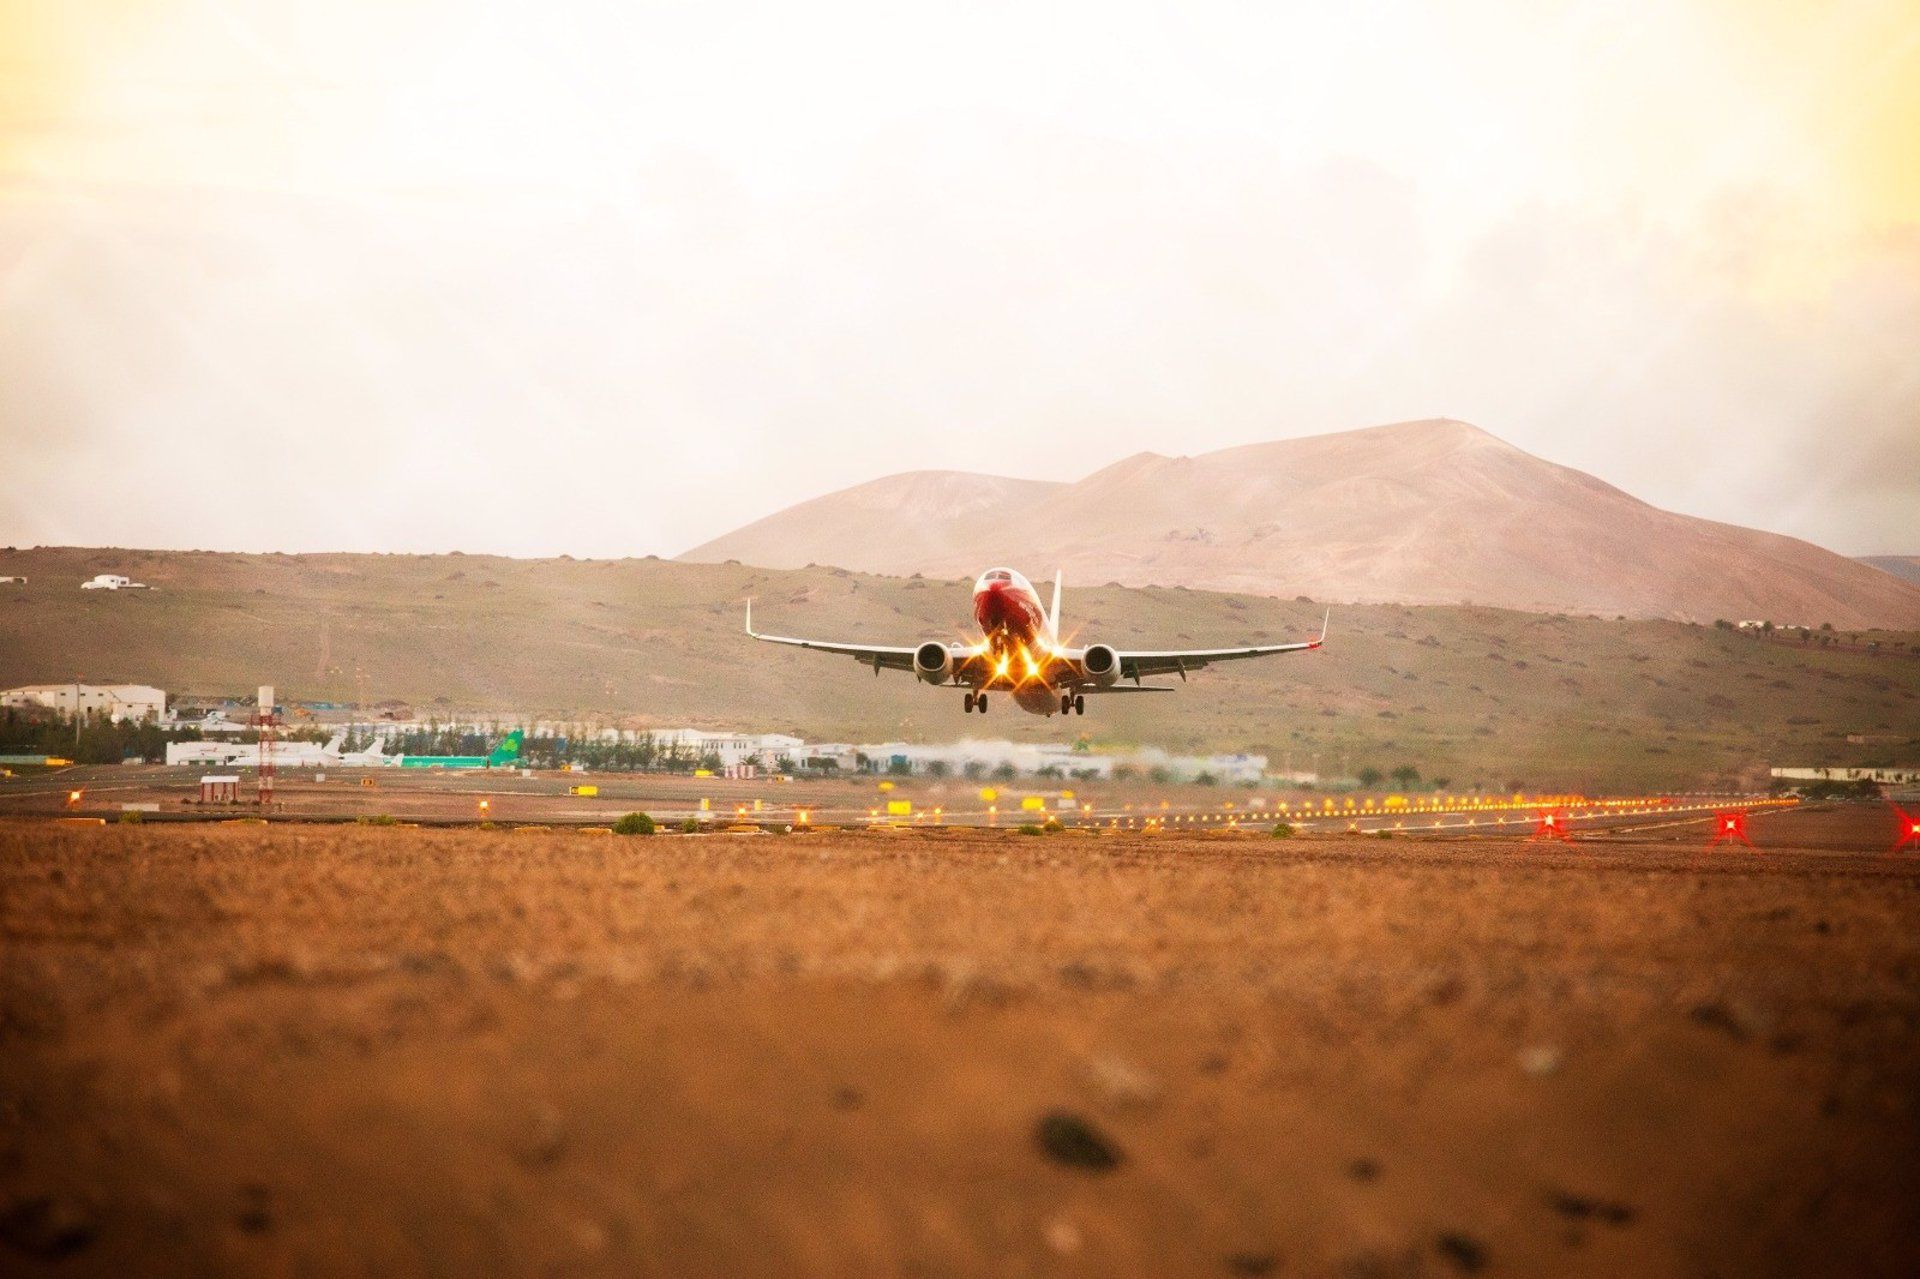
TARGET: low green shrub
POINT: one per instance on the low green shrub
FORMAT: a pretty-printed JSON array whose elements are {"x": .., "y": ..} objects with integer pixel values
[{"x": 634, "y": 824}]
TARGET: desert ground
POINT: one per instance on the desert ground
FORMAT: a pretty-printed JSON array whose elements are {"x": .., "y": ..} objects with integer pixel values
[{"x": 301, "y": 1049}]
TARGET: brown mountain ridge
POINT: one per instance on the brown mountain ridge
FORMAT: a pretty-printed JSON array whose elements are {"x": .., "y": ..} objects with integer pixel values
[{"x": 1432, "y": 512}]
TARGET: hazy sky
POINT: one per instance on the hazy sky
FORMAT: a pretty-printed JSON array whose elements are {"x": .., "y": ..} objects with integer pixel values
[{"x": 612, "y": 278}]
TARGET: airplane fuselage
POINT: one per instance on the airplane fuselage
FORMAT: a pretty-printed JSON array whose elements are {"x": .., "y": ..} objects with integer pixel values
[{"x": 1023, "y": 650}]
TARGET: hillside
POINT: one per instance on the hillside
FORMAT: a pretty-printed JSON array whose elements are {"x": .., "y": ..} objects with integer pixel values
[
  {"x": 1473, "y": 694},
  {"x": 1904, "y": 567},
  {"x": 1435, "y": 512}
]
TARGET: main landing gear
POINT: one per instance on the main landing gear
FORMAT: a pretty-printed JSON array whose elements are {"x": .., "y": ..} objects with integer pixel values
[
  {"x": 977, "y": 702},
  {"x": 1072, "y": 704}
]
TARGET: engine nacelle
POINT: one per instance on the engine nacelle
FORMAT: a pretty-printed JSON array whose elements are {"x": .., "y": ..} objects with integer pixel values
[
  {"x": 933, "y": 662},
  {"x": 1101, "y": 664}
]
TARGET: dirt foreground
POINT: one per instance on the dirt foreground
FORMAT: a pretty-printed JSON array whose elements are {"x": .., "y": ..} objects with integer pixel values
[{"x": 304, "y": 1050}]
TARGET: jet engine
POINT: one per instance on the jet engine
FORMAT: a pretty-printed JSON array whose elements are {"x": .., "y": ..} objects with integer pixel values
[
  {"x": 1101, "y": 664},
  {"x": 933, "y": 662}
]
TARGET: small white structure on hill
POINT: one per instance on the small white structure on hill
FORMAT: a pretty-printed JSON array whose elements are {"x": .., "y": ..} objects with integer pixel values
[
  {"x": 13, "y": 581},
  {"x": 116, "y": 701},
  {"x": 111, "y": 582}
]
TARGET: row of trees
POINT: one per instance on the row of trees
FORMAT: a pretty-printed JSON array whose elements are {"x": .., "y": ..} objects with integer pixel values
[
  {"x": 546, "y": 750},
  {"x": 1406, "y": 777},
  {"x": 98, "y": 740}
]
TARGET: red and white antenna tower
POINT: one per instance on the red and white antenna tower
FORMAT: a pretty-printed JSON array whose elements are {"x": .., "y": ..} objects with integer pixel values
[{"x": 266, "y": 721}]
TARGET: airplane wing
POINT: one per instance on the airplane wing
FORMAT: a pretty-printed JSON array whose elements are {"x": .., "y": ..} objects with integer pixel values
[
  {"x": 1141, "y": 662},
  {"x": 879, "y": 656}
]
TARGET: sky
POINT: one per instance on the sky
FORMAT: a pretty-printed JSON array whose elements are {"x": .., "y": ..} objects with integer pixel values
[{"x": 611, "y": 279}]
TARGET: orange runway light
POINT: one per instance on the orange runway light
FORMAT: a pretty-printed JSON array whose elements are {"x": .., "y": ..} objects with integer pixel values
[{"x": 73, "y": 797}]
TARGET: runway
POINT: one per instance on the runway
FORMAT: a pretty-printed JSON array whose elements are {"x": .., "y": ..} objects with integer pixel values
[{"x": 509, "y": 797}]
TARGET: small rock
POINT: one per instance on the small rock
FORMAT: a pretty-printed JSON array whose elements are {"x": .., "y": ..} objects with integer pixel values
[
  {"x": 256, "y": 1210},
  {"x": 1721, "y": 1018},
  {"x": 1467, "y": 1254},
  {"x": 46, "y": 1227},
  {"x": 543, "y": 1138},
  {"x": 1068, "y": 1139},
  {"x": 1363, "y": 1170},
  {"x": 1583, "y": 1208},
  {"x": 1062, "y": 1236},
  {"x": 1540, "y": 1060},
  {"x": 1124, "y": 1083},
  {"x": 846, "y": 1097}
]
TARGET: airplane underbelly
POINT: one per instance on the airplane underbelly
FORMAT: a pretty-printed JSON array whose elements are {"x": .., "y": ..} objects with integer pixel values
[{"x": 1037, "y": 698}]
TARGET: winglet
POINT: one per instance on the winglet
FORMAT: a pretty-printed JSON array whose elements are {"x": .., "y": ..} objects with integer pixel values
[
  {"x": 1323, "y": 627},
  {"x": 750, "y": 615},
  {"x": 1053, "y": 614}
]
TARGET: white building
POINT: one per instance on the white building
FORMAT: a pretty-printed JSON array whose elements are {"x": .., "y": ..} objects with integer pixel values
[
  {"x": 116, "y": 701},
  {"x": 1882, "y": 776},
  {"x": 732, "y": 748},
  {"x": 111, "y": 582},
  {"x": 13, "y": 581}
]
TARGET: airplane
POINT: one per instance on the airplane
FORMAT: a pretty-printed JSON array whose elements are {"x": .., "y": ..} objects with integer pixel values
[
  {"x": 1021, "y": 653},
  {"x": 374, "y": 756},
  {"x": 502, "y": 756}
]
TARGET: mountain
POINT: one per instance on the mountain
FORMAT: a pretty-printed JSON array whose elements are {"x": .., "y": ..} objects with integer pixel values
[
  {"x": 1435, "y": 512},
  {"x": 1473, "y": 694},
  {"x": 1904, "y": 567}
]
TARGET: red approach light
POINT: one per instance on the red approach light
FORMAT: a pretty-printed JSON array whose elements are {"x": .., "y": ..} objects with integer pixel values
[
  {"x": 1731, "y": 828},
  {"x": 1553, "y": 825},
  {"x": 1909, "y": 828}
]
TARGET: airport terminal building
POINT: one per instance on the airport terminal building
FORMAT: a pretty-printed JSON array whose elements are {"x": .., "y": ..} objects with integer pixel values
[{"x": 116, "y": 701}]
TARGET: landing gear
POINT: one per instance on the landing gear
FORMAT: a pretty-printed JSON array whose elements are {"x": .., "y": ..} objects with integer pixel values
[
  {"x": 977, "y": 702},
  {"x": 1079, "y": 704},
  {"x": 1072, "y": 704},
  {"x": 1066, "y": 703}
]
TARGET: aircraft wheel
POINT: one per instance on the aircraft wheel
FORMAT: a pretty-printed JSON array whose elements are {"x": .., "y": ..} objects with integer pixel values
[
  {"x": 981, "y": 701},
  {"x": 969, "y": 703},
  {"x": 1079, "y": 704},
  {"x": 1066, "y": 704}
]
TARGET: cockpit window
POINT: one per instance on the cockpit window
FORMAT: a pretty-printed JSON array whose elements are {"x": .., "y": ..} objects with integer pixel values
[{"x": 999, "y": 575}]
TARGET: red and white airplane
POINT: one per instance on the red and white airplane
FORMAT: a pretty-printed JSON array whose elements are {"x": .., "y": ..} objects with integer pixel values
[{"x": 1021, "y": 653}]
